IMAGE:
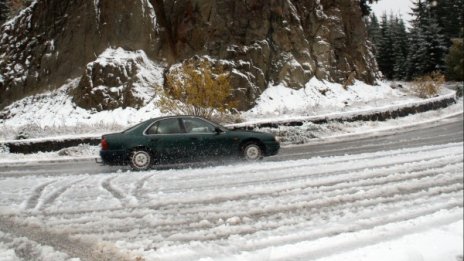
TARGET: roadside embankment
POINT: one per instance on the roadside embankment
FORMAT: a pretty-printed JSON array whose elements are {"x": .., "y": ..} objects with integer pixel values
[{"x": 377, "y": 114}]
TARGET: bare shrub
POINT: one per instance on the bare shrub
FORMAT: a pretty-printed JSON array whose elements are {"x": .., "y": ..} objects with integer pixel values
[
  {"x": 428, "y": 85},
  {"x": 198, "y": 87}
]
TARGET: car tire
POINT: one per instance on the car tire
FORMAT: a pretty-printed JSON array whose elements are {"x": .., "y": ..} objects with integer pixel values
[
  {"x": 140, "y": 160},
  {"x": 252, "y": 152}
]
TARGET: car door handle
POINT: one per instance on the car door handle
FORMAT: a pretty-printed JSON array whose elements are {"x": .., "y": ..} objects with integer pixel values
[
  {"x": 193, "y": 139},
  {"x": 153, "y": 140}
]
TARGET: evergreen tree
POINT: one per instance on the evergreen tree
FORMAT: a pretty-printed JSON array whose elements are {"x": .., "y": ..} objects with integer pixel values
[
  {"x": 373, "y": 29},
  {"x": 417, "y": 51},
  {"x": 427, "y": 44},
  {"x": 365, "y": 8},
  {"x": 436, "y": 46},
  {"x": 449, "y": 16},
  {"x": 390, "y": 40},
  {"x": 385, "y": 48},
  {"x": 455, "y": 61},
  {"x": 4, "y": 11},
  {"x": 406, "y": 55},
  {"x": 400, "y": 48}
]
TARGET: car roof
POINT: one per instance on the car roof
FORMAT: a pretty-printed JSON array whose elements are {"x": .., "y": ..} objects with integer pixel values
[{"x": 177, "y": 116}]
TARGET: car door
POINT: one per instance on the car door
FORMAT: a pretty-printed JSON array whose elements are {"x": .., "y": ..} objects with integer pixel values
[
  {"x": 168, "y": 140},
  {"x": 205, "y": 140}
]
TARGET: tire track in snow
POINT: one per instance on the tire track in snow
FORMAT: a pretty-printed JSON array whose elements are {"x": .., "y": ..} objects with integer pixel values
[
  {"x": 33, "y": 200},
  {"x": 303, "y": 182},
  {"x": 137, "y": 191},
  {"x": 195, "y": 202},
  {"x": 117, "y": 193},
  {"x": 321, "y": 211},
  {"x": 419, "y": 195},
  {"x": 262, "y": 168},
  {"x": 214, "y": 232},
  {"x": 358, "y": 224},
  {"x": 291, "y": 177},
  {"x": 335, "y": 160},
  {"x": 346, "y": 185},
  {"x": 194, "y": 215},
  {"x": 56, "y": 194},
  {"x": 325, "y": 188}
]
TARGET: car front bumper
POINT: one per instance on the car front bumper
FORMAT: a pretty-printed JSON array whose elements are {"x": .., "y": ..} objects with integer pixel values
[{"x": 272, "y": 148}]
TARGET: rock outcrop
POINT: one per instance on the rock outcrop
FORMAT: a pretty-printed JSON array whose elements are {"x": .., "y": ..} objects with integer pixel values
[
  {"x": 54, "y": 40},
  {"x": 264, "y": 42},
  {"x": 118, "y": 79}
]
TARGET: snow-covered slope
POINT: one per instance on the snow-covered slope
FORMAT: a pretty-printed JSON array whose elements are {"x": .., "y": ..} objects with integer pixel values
[{"x": 56, "y": 108}]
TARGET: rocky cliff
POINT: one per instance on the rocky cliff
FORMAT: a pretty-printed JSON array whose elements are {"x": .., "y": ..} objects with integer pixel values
[{"x": 262, "y": 42}]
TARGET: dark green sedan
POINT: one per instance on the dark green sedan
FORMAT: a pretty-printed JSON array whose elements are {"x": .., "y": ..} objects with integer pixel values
[{"x": 180, "y": 139}]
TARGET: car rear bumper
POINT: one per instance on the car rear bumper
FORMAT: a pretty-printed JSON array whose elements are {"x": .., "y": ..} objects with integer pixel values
[{"x": 113, "y": 157}]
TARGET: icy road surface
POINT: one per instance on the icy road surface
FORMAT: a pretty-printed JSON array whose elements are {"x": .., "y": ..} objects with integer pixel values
[{"x": 298, "y": 206}]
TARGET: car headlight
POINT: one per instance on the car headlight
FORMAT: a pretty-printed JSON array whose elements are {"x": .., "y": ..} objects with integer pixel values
[{"x": 278, "y": 138}]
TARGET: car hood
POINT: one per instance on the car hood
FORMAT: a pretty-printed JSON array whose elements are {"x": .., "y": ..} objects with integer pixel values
[{"x": 253, "y": 134}]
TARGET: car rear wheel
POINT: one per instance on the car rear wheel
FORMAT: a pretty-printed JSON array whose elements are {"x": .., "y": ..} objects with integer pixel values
[
  {"x": 140, "y": 160},
  {"x": 252, "y": 152}
]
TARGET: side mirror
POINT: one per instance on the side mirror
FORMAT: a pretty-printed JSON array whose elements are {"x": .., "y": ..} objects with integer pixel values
[{"x": 218, "y": 130}]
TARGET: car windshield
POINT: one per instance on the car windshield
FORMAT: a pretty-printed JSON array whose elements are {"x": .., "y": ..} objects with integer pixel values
[{"x": 216, "y": 125}]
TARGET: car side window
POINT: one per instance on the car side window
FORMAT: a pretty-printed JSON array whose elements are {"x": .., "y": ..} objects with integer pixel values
[
  {"x": 168, "y": 126},
  {"x": 193, "y": 125},
  {"x": 153, "y": 129}
]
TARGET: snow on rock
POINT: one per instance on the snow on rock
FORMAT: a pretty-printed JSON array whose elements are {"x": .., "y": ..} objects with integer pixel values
[{"x": 119, "y": 78}]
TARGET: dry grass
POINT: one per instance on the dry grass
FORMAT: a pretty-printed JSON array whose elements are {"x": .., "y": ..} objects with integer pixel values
[
  {"x": 198, "y": 87},
  {"x": 428, "y": 85}
]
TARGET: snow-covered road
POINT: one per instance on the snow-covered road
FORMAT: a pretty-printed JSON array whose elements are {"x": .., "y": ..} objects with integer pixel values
[
  {"x": 304, "y": 209},
  {"x": 391, "y": 204}
]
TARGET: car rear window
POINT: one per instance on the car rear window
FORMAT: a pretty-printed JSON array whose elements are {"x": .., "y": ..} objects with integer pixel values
[{"x": 134, "y": 127}]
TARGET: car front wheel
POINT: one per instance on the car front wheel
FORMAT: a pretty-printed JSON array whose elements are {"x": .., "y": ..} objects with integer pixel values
[
  {"x": 252, "y": 152},
  {"x": 140, "y": 160}
]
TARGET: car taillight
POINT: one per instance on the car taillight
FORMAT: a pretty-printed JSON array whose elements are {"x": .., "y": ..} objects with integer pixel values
[{"x": 104, "y": 144}]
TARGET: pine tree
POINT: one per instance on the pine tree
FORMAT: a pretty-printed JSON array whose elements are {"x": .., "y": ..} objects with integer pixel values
[
  {"x": 4, "y": 11},
  {"x": 417, "y": 51},
  {"x": 436, "y": 46},
  {"x": 455, "y": 61},
  {"x": 373, "y": 29},
  {"x": 427, "y": 44},
  {"x": 449, "y": 16},
  {"x": 365, "y": 8},
  {"x": 385, "y": 48},
  {"x": 400, "y": 48}
]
